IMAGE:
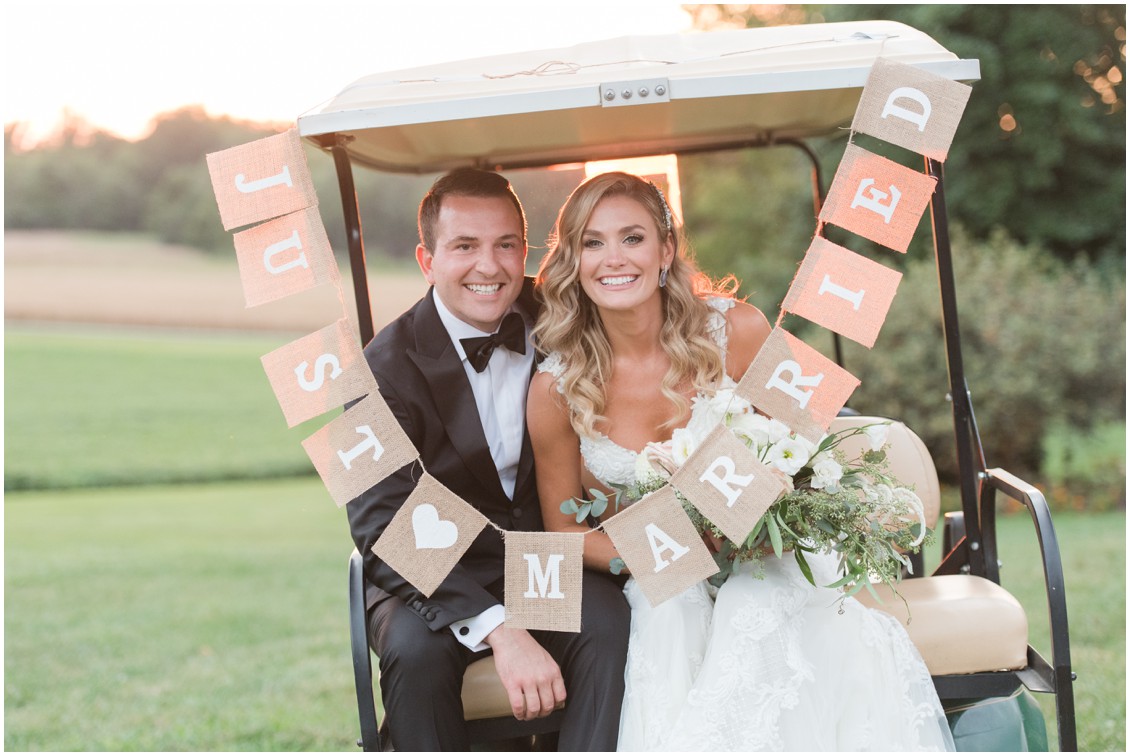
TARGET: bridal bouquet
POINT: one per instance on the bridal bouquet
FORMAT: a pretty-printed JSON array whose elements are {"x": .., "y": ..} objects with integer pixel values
[{"x": 851, "y": 507}]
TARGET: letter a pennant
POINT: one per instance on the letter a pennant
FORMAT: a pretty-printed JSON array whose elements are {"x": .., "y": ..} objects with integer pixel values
[
  {"x": 728, "y": 484},
  {"x": 911, "y": 108},
  {"x": 429, "y": 535},
  {"x": 660, "y": 545},
  {"x": 877, "y": 198},
  {"x": 260, "y": 180},
  {"x": 359, "y": 448},
  {"x": 543, "y": 580},
  {"x": 792, "y": 382}
]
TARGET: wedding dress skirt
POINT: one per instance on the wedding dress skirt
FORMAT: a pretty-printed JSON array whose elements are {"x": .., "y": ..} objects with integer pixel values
[{"x": 772, "y": 664}]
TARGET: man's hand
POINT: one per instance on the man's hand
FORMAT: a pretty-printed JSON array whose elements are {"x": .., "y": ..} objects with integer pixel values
[{"x": 529, "y": 674}]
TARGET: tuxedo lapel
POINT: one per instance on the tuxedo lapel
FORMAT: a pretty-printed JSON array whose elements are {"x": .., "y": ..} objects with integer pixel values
[{"x": 439, "y": 363}]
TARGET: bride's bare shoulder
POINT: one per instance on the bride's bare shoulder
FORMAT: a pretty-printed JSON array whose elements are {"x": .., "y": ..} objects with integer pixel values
[{"x": 748, "y": 330}]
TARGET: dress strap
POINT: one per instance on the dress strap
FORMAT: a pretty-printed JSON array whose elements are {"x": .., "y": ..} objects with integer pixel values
[{"x": 716, "y": 324}]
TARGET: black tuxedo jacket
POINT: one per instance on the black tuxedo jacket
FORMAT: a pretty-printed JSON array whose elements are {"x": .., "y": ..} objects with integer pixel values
[{"x": 422, "y": 379}]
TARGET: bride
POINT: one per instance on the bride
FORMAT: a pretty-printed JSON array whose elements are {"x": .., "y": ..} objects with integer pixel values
[{"x": 633, "y": 334}]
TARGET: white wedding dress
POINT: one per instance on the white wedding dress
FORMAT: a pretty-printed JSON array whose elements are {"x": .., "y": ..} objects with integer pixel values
[{"x": 769, "y": 663}]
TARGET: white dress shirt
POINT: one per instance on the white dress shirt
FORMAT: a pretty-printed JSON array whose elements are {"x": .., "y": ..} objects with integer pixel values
[{"x": 500, "y": 396}]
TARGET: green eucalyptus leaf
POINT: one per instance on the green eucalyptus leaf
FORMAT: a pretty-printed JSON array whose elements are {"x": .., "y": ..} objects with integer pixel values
[
  {"x": 803, "y": 564},
  {"x": 616, "y": 565},
  {"x": 569, "y": 506},
  {"x": 598, "y": 507},
  {"x": 775, "y": 535}
]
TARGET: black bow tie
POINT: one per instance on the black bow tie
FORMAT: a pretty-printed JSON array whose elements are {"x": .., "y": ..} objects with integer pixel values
[{"x": 511, "y": 334}]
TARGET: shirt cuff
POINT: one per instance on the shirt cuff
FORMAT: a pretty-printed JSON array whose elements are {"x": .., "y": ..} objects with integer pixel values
[{"x": 471, "y": 631}]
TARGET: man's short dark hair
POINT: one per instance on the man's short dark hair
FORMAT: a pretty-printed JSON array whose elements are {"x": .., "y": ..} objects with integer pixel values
[{"x": 462, "y": 182}]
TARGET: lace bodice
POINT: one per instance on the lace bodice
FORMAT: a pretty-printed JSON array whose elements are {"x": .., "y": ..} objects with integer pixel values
[{"x": 609, "y": 462}]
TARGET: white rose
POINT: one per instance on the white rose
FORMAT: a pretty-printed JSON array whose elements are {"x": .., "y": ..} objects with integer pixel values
[
  {"x": 751, "y": 427},
  {"x": 826, "y": 473}
]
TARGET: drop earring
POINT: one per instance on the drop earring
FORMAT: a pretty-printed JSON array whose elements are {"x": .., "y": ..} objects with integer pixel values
[{"x": 662, "y": 277}]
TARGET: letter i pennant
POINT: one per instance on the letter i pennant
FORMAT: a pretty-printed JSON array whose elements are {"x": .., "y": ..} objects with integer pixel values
[
  {"x": 359, "y": 448},
  {"x": 543, "y": 580}
]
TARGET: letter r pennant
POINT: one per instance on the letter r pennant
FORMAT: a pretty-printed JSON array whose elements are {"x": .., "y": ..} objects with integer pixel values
[{"x": 792, "y": 382}]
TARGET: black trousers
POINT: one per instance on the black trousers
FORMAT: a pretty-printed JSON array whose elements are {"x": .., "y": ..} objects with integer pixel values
[{"x": 422, "y": 673}]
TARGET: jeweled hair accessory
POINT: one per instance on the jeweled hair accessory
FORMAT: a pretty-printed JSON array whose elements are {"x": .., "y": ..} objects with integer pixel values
[{"x": 663, "y": 203}]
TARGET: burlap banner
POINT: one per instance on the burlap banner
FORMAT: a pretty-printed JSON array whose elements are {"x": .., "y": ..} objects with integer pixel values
[
  {"x": 284, "y": 256},
  {"x": 429, "y": 535},
  {"x": 318, "y": 373},
  {"x": 660, "y": 546},
  {"x": 792, "y": 382},
  {"x": 842, "y": 291},
  {"x": 359, "y": 449},
  {"x": 727, "y": 483},
  {"x": 877, "y": 198},
  {"x": 911, "y": 108},
  {"x": 543, "y": 580},
  {"x": 260, "y": 180}
]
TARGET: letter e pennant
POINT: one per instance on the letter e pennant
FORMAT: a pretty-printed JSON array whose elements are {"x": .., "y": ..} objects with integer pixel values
[
  {"x": 659, "y": 544},
  {"x": 429, "y": 535},
  {"x": 543, "y": 580},
  {"x": 318, "y": 373},
  {"x": 842, "y": 291},
  {"x": 877, "y": 198},
  {"x": 728, "y": 484},
  {"x": 792, "y": 382},
  {"x": 359, "y": 448},
  {"x": 911, "y": 108},
  {"x": 260, "y": 180}
]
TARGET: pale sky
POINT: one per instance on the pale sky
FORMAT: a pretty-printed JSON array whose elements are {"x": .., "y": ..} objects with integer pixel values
[{"x": 117, "y": 63}]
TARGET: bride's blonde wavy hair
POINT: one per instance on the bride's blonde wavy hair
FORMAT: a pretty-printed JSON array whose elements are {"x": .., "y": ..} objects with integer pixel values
[{"x": 570, "y": 325}]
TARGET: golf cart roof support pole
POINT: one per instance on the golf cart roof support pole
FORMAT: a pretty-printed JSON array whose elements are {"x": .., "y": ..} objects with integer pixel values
[
  {"x": 352, "y": 213},
  {"x": 818, "y": 197},
  {"x": 970, "y": 467}
]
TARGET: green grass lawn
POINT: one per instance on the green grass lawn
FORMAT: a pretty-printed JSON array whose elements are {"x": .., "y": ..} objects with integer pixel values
[{"x": 101, "y": 407}]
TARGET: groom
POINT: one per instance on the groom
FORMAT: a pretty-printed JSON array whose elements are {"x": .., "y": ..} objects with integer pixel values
[{"x": 460, "y": 395}]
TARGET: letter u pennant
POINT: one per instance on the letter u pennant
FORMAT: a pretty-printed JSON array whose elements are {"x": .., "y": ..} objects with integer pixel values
[
  {"x": 543, "y": 580},
  {"x": 660, "y": 545}
]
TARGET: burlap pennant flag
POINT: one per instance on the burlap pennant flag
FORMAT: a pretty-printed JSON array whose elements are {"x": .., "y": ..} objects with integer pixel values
[
  {"x": 358, "y": 449},
  {"x": 792, "y": 382},
  {"x": 726, "y": 482},
  {"x": 260, "y": 180},
  {"x": 430, "y": 533},
  {"x": 877, "y": 198},
  {"x": 318, "y": 373},
  {"x": 543, "y": 580},
  {"x": 284, "y": 256},
  {"x": 842, "y": 291},
  {"x": 911, "y": 108},
  {"x": 660, "y": 546}
]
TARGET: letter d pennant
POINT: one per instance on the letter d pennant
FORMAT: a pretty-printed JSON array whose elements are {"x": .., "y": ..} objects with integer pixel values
[{"x": 543, "y": 580}]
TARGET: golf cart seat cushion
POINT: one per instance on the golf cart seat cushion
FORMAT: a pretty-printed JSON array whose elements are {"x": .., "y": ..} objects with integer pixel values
[
  {"x": 483, "y": 694},
  {"x": 959, "y": 623}
]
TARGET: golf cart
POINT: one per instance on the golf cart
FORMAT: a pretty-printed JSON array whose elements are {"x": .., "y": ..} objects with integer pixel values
[{"x": 691, "y": 93}]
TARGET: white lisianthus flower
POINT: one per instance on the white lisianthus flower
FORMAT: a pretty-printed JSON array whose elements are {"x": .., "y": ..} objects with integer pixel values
[
  {"x": 789, "y": 455},
  {"x": 708, "y": 412},
  {"x": 644, "y": 470},
  {"x": 751, "y": 427},
  {"x": 682, "y": 445},
  {"x": 910, "y": 499},
  {"x": 877, "y": 435},
  {"x": 826, "y": 473}
]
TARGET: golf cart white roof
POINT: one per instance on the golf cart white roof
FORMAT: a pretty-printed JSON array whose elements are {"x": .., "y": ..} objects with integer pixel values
[{"x": 693, "y": 91}]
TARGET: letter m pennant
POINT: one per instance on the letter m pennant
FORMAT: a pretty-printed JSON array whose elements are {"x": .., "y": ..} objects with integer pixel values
[{"x": 543, "y": 580}]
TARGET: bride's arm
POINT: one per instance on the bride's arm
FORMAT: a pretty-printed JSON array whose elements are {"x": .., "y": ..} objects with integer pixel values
[
  {"x": 557, "y": 458},
  {"x": 748, "y": 330}
]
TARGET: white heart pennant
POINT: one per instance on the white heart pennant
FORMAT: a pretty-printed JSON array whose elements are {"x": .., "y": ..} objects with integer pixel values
[{"x": 431, "y": 532}]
